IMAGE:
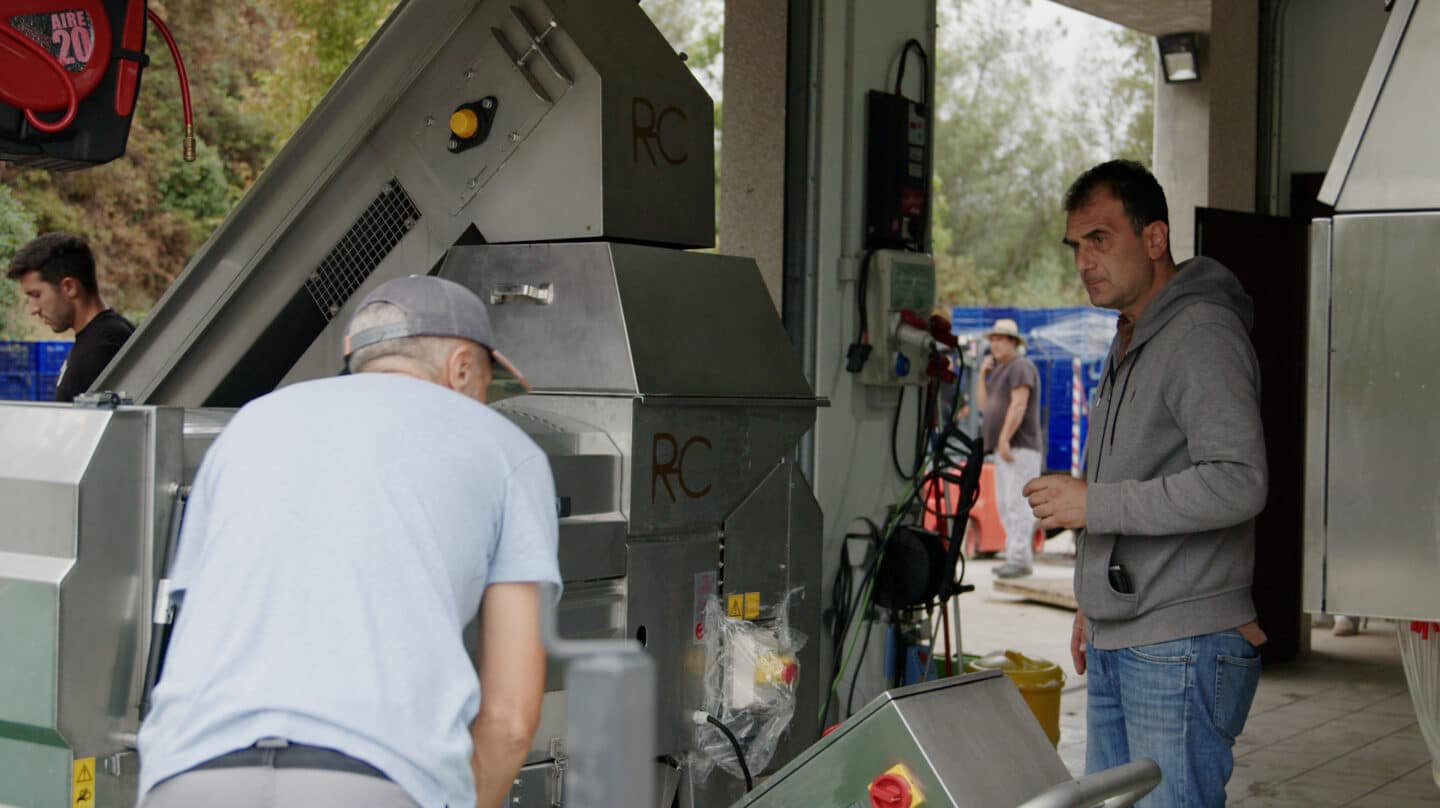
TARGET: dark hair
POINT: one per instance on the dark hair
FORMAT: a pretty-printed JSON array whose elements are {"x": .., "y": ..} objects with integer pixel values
[
  {"x": 56, "y": 256},
  {"x": 1129, "y": 182}
]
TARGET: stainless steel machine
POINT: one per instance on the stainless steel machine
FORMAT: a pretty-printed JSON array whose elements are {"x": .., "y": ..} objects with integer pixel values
[
  {"x": 556, "y": 156},
  {"x": 1372, "y": 496},
  {"x": 1372, "y": 526},
  {"x": 953, "y": 743},
  {"x": 93, "y": 498}
]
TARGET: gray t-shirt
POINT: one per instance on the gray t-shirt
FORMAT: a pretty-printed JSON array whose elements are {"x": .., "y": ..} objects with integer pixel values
[{"x": 1018, "y": 372}]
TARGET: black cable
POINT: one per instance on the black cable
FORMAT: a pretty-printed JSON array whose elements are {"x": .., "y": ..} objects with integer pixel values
[
  {"x": 739, "y": 753},
  {"x": 862, "y": 306},
  {"x": 914, "y": 44},
  {"x": 895, "y": 435},
  {"x": 853, "y": 606},
  {"x": 924, "y": 416},
  {"x": 855, "y": 677}
]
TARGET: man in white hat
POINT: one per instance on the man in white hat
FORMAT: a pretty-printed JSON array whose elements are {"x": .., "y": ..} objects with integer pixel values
[{"x": 1008, "y": 395}]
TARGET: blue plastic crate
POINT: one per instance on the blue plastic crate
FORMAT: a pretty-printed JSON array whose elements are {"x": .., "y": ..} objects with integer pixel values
[
  {"x": 45, "y": 388},
  {"x": 17, "y": 357},
  {"x": 50, "y": 357},
  {"x": 17, "y": 386}
]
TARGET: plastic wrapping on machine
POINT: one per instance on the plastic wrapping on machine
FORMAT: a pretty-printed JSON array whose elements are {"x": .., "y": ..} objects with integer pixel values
[{"x": 751, "y": 672}]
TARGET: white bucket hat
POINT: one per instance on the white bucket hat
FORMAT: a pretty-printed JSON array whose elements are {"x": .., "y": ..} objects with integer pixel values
[{"x": 1005, "y": 327}]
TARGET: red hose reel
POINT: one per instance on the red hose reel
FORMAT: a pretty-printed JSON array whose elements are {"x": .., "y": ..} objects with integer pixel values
[{"x": 71, "y": 69}]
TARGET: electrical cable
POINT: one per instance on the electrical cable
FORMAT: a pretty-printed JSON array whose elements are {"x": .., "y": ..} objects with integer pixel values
[
  {"x": 862, "y": 306},
  {"x": 72, "y": 99},
  {"x": 895, "y": 435},
  {"x": 864, "y": 645},
  {"x": 184, "y": 78},
  {"x": 739, "y": 752},
  {"x": 914, "y": 44}
]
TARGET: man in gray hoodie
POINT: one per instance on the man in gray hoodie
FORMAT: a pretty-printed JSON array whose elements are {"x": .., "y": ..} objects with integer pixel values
[{"x": 1175, "y": 475}]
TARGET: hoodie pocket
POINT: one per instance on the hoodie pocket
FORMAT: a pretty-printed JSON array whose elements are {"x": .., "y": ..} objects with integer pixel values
[{"x": 1097, "y": 598}]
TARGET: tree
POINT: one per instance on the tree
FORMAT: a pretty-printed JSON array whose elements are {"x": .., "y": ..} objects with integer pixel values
[
  {"x": 17, "y": 226},
  {"x": 1007, "y": 143}
]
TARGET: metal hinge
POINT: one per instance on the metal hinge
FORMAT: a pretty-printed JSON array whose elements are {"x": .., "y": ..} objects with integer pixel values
[{"x": 557, "y": 772}]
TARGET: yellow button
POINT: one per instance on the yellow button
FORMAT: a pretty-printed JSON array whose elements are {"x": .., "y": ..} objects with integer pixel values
[{"x": 464, "y": 123}]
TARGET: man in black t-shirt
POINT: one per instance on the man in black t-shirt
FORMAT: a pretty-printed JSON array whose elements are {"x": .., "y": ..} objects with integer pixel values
[{"x": 57, "y": 274}]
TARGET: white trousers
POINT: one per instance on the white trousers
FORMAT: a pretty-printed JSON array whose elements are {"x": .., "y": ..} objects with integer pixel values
[{"x": 1015, "y": 514}]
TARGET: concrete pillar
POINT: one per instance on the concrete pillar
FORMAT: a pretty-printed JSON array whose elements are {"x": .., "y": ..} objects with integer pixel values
[
  {"x": 752, "y": 144},
  {"x": 1182, "y": 151},
  {"x": 1234, "y": 91},
  {"x": 1205, "y": 131}
]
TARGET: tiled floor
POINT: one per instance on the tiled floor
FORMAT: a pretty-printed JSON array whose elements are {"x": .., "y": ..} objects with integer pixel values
[{"x": 1337, "y": 728}]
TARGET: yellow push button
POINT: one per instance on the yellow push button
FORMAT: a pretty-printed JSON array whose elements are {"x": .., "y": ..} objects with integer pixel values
[{"x": 464, "y": 123}]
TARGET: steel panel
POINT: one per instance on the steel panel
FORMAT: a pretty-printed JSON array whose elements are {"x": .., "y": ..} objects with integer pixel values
[
  {"x": 772, "y": 546},
  {"x": 667, "y": 614},
  {"x": 704, "y": 325},
  {"x": 692, "y": 465},
  {"x": 1383, "y": 518},
  {"x": 968, "y": 740},
  {"x": 578, "y": 342},
  {"x": 1355, "y": 128},
  {"x": 1395, "y": 167},
  {"x": 1317, "y": 385}
]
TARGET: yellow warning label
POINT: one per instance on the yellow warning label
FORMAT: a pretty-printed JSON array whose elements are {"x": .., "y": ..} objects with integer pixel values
[
  {"x": 735, "y": 606},
  {"x": 752, "y": 605},
  {"x": 83, "y": 785}
]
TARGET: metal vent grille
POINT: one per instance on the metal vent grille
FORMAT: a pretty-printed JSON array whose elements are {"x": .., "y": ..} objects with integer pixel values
[{"x": 389, "y": 217}]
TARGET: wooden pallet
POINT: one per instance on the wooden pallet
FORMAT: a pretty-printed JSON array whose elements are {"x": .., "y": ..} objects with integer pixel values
[{"x": 1052, "y": 591}]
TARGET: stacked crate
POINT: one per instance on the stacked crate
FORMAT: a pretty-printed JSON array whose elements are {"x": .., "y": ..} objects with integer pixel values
[{"x": 29, "y": 371}]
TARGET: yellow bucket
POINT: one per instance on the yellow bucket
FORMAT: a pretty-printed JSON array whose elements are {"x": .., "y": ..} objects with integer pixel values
[{"x": 1039, "y": 681}]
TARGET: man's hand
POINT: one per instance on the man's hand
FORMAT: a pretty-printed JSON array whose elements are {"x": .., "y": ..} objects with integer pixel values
[
  {"x": 1077, "y": 643},
  {"x": 987, "y": 364},
  {"x": 1058, "y": 501},
  {"x": 1004, "y": 451}
]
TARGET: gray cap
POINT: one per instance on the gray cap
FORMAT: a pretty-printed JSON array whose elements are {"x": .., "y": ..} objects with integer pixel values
[{"x": 433, "y": 307}]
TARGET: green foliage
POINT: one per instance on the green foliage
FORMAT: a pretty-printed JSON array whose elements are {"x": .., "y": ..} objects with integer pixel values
[
  {"x": 256, "y": 69},
  {"x": 17, "y": 226},
  {"x": 1008, "y": 141},
  {"x": 314, "y": 41},
  {"x": 200, "y": 189}
]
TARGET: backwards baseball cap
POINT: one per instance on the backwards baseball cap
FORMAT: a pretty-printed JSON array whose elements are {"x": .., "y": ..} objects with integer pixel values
[{"x": 434, "y": 307}]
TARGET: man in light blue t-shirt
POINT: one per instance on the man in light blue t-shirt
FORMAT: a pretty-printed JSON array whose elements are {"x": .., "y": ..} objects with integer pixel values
[{"x": 340, "y": 535}]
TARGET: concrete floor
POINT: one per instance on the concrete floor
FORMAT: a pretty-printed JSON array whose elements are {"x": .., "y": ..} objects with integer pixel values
[{"x": 1337, "y": 728}]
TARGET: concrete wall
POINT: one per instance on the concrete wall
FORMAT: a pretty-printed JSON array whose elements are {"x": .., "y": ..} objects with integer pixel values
[
  {"x": 752, "y": 150},
  {"x": 856, "y": 42},
  {"x": 1205, "y": 131},
  {"x": 1324, "y": 51}
]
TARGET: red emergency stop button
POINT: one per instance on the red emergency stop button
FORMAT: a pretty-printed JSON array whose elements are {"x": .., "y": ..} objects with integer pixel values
[{"x": 890, "y": 791}]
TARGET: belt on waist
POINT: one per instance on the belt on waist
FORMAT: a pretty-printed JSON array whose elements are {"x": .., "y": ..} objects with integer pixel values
[{"x": 291, "y": 756}]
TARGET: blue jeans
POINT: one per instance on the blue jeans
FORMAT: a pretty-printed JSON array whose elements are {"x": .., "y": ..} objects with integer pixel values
[{"x": 1180, "y": 703}]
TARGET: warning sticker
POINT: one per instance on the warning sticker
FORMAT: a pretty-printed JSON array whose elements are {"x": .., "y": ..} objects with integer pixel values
[
  {"x": 735, "y": 606},
  {"x": 752, "y": 605},
  {"x": 83, "y": 783}
]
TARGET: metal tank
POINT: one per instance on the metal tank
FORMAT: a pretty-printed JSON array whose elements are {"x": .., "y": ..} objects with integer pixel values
[{"x": 666, "y": 392}]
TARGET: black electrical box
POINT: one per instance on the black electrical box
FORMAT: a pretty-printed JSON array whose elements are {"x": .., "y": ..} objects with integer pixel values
[
  {"x": 897, "y": 173},
  {"x": 99, "y": 45}
]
